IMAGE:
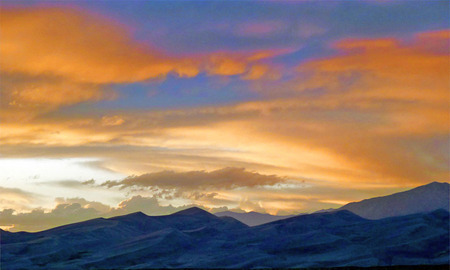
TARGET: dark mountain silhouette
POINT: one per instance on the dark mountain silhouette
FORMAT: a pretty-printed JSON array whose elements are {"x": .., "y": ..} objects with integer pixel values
[
  {"x": 194, "y": 238},
  {"x": 201, "y": 240}
]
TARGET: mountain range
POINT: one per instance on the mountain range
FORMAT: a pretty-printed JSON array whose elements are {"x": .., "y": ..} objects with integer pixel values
[
  {"x": 194, "y": 238},
  {"x": 422, "y": 199}
]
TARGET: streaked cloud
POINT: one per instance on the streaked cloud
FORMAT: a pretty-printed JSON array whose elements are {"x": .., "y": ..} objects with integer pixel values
[{"x": 369, "y": 104}]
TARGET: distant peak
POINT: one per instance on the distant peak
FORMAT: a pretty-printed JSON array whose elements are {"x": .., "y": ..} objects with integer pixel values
[
  {"x": 137, "y": 214},
  {"x": 433, "y": 186},
  {"x": 435, "y": 183},
  {"x": 193, "y": 211}
]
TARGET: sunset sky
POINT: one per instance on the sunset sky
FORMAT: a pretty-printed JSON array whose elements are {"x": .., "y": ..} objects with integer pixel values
[{"x": 112, "y": 107}]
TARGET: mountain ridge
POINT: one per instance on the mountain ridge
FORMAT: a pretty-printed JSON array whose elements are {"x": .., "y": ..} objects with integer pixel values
[
  {"x": 195, "y": 238},
  {"x": 425, "y": 198},
  {"x": 339, "y": 238}
]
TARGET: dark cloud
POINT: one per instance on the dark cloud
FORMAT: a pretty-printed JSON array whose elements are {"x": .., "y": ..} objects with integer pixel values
[
  {"x": 66, "y": 183},
  {"x": 226, "y": 178},
  {"x": 89, "y": 182}
]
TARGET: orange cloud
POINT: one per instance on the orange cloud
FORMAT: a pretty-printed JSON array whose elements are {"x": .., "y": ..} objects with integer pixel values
[
  {"x": 384, "y": 103},
  {"x": 412, "y": 77},
  {"x": 46, "y": 93},
  {"x": 52, "y": 57},
  {"x": 248, "y": 64},
  {"x": 366, "y": 44},
  {"x": 82, "y": 47},
  {"x": 259, "y": 71},
  {"x": 112, "y": 120}
]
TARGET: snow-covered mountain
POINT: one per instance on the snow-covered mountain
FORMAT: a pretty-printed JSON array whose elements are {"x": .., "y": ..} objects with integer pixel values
[
  {"x": 422, "y": 199},
  {"x": 194, "y": 238},
  {"x": 251, "y": 218}
]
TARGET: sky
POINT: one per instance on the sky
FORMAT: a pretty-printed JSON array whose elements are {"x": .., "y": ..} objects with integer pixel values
[{"x": 112, "y": 107}]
